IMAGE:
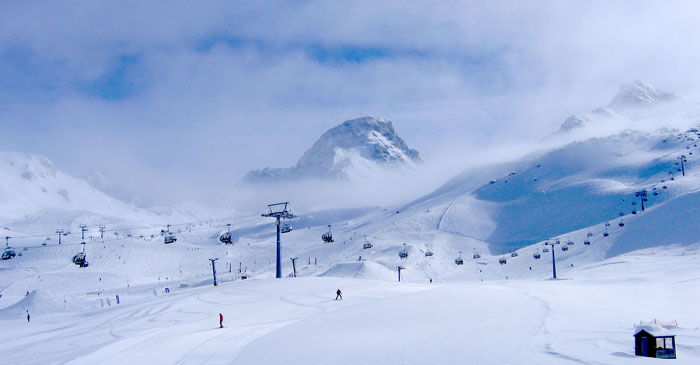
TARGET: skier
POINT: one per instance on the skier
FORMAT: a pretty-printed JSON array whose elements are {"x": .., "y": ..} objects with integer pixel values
[
  {"x": 338, "y": 294},
  {"x": 28, "y": 316},
  {"x": 221, "y": 320},
  {"x": 431, "y": 280}
]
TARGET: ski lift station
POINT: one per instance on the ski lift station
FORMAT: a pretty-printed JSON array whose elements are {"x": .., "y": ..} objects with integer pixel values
[{"x": 654, "y": 341}]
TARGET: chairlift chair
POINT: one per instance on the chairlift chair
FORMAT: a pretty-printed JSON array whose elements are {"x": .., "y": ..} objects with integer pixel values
[
  {"x": 587, "y": 242},
  {"x": 8, "y": 253},
  {"x": 607, "y": 224},
  {"x": 80, "y": 258},
  {"x": 502, "y": 261},
  {"x": 590, "y": 234},
  {"x": 565, "y": 248},
  {"x": 328, "y": 236},
  {"x": 404, "y": 252},
  {"x": 569, "y": 243},
  {"x": 476, "y": 256},
  {"x": 225, "y": 238},
  {"x": 429, "y": 253},
  {"x": 514, "y": 254},
  {"x": 621, "y": 224},
  {"x": 545, "y": 249},
  {"x": 536, "y": 255},
  {"x": 606, "y": 234},
  {"x": 367, "y": 244},
  {"x": 286, "y": 228},
  {"x": 169, "y": 237},
  {"x": 459, "y": 260}
]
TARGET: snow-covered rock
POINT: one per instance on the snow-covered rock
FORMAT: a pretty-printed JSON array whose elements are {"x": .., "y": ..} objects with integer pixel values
[{"x": 354, "y": 149}]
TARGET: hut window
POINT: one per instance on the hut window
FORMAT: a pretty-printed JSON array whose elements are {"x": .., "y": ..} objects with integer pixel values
[{"x": 660, "y": 343}]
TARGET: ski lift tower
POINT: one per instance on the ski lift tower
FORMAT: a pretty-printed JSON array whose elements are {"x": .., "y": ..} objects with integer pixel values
[
  {"x": 83, "y": 229},
  {"x": 60, "y": 233},
  {"x": 642, "y": 194},
  {"x": 278, "y": 211},
  {"x": 554, "y": 262},
  {"x": 682, "y": 158}
]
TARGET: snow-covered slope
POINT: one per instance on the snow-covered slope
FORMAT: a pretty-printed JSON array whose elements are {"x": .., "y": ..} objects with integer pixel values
[{"x": 355, "y": 149}]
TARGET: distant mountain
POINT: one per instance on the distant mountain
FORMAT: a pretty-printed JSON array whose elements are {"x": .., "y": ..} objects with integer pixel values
[
  {"x": 31, "y": 183},
  {"x": 640, "y": 93},
  {"x": 633, "y": 101},
  {"x": 354, "y": 149}
]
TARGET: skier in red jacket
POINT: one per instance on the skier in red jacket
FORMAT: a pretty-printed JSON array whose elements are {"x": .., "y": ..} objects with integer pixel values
[{"x": 221, "y": 320}]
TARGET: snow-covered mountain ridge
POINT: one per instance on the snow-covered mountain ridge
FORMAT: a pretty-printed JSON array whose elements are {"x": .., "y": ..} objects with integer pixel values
[{"x": 352, "y": 150}]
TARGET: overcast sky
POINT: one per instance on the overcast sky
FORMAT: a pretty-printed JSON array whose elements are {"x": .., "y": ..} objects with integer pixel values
[{"x": 168, "y": 96}]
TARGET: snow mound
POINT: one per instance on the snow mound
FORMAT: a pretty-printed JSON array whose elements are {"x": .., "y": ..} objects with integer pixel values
[
  {"x": 37, "y": 302},
  {"x": 360, "y": 270}
]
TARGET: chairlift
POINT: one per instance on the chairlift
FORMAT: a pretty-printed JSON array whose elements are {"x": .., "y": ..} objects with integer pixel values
[
  {"x": 476, "y": 256},
  {"x": 459, "y": 260},
  {"x": 8, "y": 253},
  {"x": 169, "y": 237},
  {"x": 634, "y": 212},
  {"x": 225, "y": 238},
  {"x": 565, "y": 248},
  {"x": 590, "y": 234},
  {"x": 656, "y": 193},
  {"x": 621, "y": 224},
  {"x": 622, "y": 214},
  {"x": 606, "y": 234},
  {"x": 536, "y": 255},
  {"x": 607, "y": 224},
  {"x": 587, "y": 242},
  {"x": 429, "y": 253},
  {"x": 328, "y": 236},
  {"x": 286, "y": 228},
  {"x": 368, "y": 244},
  {"x": 569, "y": 243},
  {"x": 545, "y": 249},
  {"x": 514, "y": 254},
  {"x": 404, "y": 252},
  {"x": 664, "y": 187},
  {"x": 502, "y": 261},
  {"x": 80, "y": 258}
]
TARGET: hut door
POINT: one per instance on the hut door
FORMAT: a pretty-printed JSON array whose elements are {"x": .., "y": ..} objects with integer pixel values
[{"x": 645, "y": 346}]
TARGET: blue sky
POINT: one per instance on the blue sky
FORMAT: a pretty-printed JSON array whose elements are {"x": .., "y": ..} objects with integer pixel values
[{"x": 141, "y": 91}]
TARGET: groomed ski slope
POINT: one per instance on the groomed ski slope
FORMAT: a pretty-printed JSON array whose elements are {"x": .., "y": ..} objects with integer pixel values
[{"x": 585, "y": 317}]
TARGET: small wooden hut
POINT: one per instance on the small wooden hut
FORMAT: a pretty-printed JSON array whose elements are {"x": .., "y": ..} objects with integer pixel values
[{"x": 654, "y": 341}]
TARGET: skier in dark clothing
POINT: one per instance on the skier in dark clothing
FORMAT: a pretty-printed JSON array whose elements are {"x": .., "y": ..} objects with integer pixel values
[
  {"x": 338, "y": 294},
  {"x": 221, "y": 320},
  {"x": 28, "y": 317}
]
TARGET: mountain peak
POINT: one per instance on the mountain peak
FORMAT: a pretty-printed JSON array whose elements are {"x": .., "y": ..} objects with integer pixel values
[
  {"x": 352, "y": 149},
  {"x": 640, "y": 93}
]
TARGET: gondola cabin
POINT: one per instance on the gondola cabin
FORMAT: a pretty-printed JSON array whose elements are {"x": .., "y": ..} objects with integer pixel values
[{"x": 654, "y": 341}]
